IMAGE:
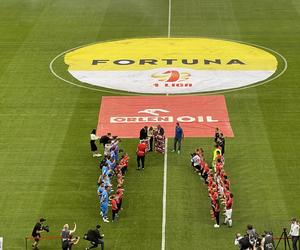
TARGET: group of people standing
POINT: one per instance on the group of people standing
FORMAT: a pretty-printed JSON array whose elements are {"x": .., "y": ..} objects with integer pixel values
[
  {"x": 93, "y": 236},
  {"x": 251, "y": 240},
  {"x": 111, "y": 166},
  {"x": 68, "y": 239},
  {"x": 217, "y": 181},
  {"x": 150, "y": 139}
]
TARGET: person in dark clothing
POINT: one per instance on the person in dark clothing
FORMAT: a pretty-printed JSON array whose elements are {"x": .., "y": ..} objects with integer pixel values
[
  {"x": 160, "y": 130},
  {"x": 67, "y": 244},
  {"x": 95, "y": 238},
  {"x": 217, "y": 134},
  {"x": 143, "y": 133},
  {"x": 36, "y": 232},
  {"x": 105, "y": 139},
  {"x": 221, "y": 143},
  {"x": 268, "y": 241},
  {"x": 253, "y": 236},
  {"x": 178, "y": 137},
  {"x": 244, "y": 243},
  {"x": 66, "y": 231},
  {"x": 150, "y": 136}
]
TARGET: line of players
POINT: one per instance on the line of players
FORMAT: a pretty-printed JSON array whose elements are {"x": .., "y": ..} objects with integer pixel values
[
  {"x": 111, "y": 166},
  {"x": 217, "y": 182}
]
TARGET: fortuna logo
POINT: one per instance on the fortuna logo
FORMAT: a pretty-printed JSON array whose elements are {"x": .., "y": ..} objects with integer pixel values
[
  {"x": 172, "y": 76},
  {"x": 163, "y": 119},
  {"x": 171, "y": 65}
]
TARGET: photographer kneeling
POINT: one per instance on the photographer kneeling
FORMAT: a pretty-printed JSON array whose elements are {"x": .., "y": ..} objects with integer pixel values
[
  {"x": 242, "y": 242},
  {"x": 95, "y": 238},
  {"x": 267, "y": 241},
  {"x": 67, "y": 244}
]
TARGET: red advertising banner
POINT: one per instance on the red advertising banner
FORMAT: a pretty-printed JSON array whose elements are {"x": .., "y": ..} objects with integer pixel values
[{"x": 198, "y": 115}]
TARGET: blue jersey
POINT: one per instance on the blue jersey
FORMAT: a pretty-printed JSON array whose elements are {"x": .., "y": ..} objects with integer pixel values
[
  {"x": 117, "y": 153},
  {"x": 106, "y": 181},
  {"x": 178, "y": 132},
  {"x": 104, "y": 197},
  {"x": 100, "y": 190},
  {"x": 111, "y": 164},
  {"x": 112, "y": 155},
  {"x": 104, "y": 170}
]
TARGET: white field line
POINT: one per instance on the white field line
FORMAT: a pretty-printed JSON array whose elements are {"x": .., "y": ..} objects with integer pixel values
[
  {"x": 169, "y": 19},
  {"x": 164, "y": 200}
]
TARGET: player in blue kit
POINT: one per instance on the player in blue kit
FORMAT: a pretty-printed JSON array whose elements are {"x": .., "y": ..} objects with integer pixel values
[{"x": 104, "y": 203}]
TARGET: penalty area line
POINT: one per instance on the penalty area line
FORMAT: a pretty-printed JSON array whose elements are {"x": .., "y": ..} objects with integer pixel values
[
  {"x": 164, "y": 200},
  {"x": 169, "y": 19}
]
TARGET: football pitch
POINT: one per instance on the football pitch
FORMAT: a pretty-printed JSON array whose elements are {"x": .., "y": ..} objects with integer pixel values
[{"x": 47, "y": 115}]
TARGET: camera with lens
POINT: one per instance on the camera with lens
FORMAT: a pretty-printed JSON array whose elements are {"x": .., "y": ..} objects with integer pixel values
[
  {"x": 46, "y": 228},
  {"x": 86, "y": 237}
]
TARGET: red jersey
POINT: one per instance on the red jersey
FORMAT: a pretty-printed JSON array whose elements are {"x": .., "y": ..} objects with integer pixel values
[
  {"x": 141, "y": 149},
  {"x": 124, "y": 161},
  {"x": 229, "y": 203},
  {"x": 114, "y": 204},
  {"x": 215, "y": 206},
  {"x": 227, "y": 184},
  {"x": 206, "y": 168},
  {"x": 119, "y": 193},
  {"x": 219, "y": 167},
  {"x": 210, "y": 181}
]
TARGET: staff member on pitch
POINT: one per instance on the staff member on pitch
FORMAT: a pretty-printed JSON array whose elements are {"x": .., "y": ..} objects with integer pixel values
[
  {"x": 93, "y": 140},
  {"x": 294, "y": 232},
  {"x": 140, "y": 155},
  {"x": 66, "y": 231},
  {"x": 143, "y": 133},
  {"x": 178, "y": 137}
]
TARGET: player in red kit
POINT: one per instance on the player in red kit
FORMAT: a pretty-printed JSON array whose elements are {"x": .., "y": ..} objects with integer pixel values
[
  {"x": 114, "y": 207},
  {"x": 228, "y": 210},
  {"x": 216, "y": 210},
  {"x": 140, "y": 153}
]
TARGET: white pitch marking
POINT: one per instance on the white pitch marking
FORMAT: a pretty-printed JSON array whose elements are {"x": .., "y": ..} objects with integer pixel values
[
  {"x": 169, "y": 19},
  {"x": 164, "y": 212}
]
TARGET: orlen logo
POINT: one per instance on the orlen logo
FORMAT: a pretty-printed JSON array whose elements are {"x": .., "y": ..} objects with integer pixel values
[
  {"x": 171, "y": 76},
  {"x": 171, "y": 65},
  {"x": 155, "y": 116},
  {"x": 125, "y": 115}
]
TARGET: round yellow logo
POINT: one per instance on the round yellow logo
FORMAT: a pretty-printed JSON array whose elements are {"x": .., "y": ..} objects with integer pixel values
[{"x": 171, "y": 65}]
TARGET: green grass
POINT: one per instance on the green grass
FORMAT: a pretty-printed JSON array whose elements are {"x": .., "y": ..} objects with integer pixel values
[{"x": 45, "y": 164}]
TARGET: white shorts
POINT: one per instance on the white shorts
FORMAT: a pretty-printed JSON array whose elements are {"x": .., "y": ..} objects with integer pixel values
[{"x": 228, "y": 213}]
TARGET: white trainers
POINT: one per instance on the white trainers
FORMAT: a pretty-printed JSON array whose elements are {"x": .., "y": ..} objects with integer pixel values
[
  {"x": 106, "y": 220},
  {"x": 216, "y": 226},
  {"x": 178, "y": 152},
  {"x": 98, "y": 155},
  {"x": 172, "y": 150}
]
